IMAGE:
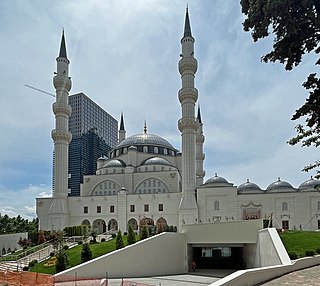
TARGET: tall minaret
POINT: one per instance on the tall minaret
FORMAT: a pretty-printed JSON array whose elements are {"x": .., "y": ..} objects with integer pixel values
[
  {"x": 122, "y": 131},
  {"x": 200, "y": 173},
  {"x": 188, "y": 125},
  {"x": 58, "y": 212}
]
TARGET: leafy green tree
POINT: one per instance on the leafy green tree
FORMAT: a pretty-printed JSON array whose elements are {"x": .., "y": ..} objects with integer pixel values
[
  {"x": 131, "y": 236},
  {"x": 144, "y": 233},
  {"x": 60, "y": 252},
  {"x": 295, "y": 25},
  {"x": 119, "y": 240}
]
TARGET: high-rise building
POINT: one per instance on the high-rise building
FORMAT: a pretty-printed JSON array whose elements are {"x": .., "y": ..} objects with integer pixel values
[{"x": 94, "y": 134}]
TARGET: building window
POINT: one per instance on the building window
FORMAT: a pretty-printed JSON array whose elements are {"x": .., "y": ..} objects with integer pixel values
[
  {"x": 146, "y": 208},
  {"x": 132, "y": 208},
  {"x": 112, "y": 209},
  {"x": 284, "y": 206},
  {"x": 98, "y": 209},
  {"x": 160, "y": 207},
  {"x": 216, "y": 206},
  {"x": 85, "y": 209}
]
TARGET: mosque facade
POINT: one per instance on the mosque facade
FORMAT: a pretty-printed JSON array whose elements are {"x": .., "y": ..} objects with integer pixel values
[{"x": 147, "y": 181}]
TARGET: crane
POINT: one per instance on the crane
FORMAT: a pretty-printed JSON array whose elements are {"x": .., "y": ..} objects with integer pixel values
[{"x": 37, "y": 89}]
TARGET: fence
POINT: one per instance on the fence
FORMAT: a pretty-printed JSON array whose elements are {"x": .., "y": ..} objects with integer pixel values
[{"x": 25, "y": 279}]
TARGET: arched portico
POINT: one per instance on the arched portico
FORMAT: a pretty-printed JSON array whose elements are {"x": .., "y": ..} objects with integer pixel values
[
  {"x": 85, "y": 222},
  {"x": 134, "y": 224},
  {"x": 112, "y": 224},
  {"x": 161, "y": 225},
  {"x": 99, "y": 226}
]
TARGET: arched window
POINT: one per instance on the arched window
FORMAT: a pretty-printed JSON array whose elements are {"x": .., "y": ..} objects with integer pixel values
[
  {"x": 216, "y": 206},
  {"x": 145, "y": 149},
  {"x": 284, "y": 206},
  {"x": 156, "y": 150}
]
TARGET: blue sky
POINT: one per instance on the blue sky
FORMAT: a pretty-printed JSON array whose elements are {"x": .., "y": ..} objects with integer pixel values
[{"x": 124, "y": 56}]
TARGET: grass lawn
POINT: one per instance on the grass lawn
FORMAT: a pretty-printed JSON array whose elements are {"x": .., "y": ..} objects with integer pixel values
[
  {"x": 300, "y": 241},
  {"x": 74, "y": 255}
]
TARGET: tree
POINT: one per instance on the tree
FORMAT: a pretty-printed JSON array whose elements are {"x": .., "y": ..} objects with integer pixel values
[
  {"x": 144, "y": 233},
  {"x": 60, "y": 252},
  {"x": 295, "y": 25},
  {"x": 131, "y": 236},
  {"x": 119, "y": 240},
  {"x": 86, "y": 253}
]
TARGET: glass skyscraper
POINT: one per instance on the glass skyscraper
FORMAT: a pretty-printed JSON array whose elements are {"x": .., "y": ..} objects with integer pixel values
[{"x": 94, "y": 134}]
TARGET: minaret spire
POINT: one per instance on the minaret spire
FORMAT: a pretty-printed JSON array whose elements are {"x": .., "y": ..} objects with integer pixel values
[
  {"x": 145, "y": 129},
  {"x": 122, "y": 131},
  {"x": 63, "y": 50},
  {"x": 200, "y": 173},
  {"x": 188, "y": 125},
  {"x": 187, "y": 27},
  {"x": 199, "y": 114}
]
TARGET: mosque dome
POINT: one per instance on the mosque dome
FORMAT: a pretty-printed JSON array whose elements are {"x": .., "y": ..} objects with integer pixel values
[
  {"x": 216, "y": 180},
  {"x": 114, "y": 164},
  {"x": 280, "y": 186},
  {"x": 249, "y": 188},
  {"x": 145, "y": 139},
  {"x": 309, "y": 184},
  {"x": 156, "y": 161}
]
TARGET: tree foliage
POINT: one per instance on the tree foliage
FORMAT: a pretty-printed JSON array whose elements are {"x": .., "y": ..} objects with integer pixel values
[
  {"x": 119, "y": 240},
  {"x": 144, "y": 233},
  {"x": 295, "y": 25},
  {"x": 131, "y": 236},
  {"x": 86, "y": 253},
  {"x": 17, "y": 224}
]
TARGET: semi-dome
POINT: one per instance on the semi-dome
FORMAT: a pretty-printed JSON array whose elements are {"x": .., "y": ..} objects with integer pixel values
[
  {"x": 216, "y": 180},
  {"x": 280, "y": 186},
  {"x": 249, "y": 188},
  {"x": 114, "y": 164},
  {"x": 156, "y": 161},
  {"x": 145, "y": 139},
  {"x": 309, "y": 184}
]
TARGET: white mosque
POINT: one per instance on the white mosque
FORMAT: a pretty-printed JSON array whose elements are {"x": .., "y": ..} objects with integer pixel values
[{"x": 147, "y": 181}]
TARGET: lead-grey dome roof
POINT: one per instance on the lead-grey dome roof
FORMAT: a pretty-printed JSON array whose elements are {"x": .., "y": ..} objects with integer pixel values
[
  {"x": 145, "y": 139},
  {"x": 309, "y": 184},
  {"x": 280, "y": 186},
  {"x": 114, "y": 163},
  {"x": 249, "y": 188},
  {"x": 156, "y": 161},
  {"x": 216, "y": 180}
]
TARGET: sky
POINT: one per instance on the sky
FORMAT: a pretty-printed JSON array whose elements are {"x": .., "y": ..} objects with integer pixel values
[{"x": 124, "y": 56}]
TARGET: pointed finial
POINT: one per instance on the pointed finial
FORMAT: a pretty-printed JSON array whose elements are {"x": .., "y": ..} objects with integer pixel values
[
  {"x": 187, "y": 28},
  {"x": 145, "y": 127},
  {"x": 199, "y": 114},
  {"x": 122, "y": 122},
  {"x": 63, "y": 50}
]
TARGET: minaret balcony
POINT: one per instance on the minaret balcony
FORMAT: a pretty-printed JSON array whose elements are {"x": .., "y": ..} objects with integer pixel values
[
  {"x": 188, "y": 65},
  {"x": 62, "y": 82},
  {"x": 187, "y": 124},
  {"x": 187, "y": 94},
  {"x": 61, "y": 109},
  {"x": 61, "y": 136}
]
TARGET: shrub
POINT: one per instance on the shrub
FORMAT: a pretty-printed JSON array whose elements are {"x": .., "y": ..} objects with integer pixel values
[
  {"x": 119, "y": 240},
  {"x": 25, "y": 268},
  {"x": 80, "y": 242},
  {"x": 113, "y": 235},
  {"x": 318, "y": 250},
  {"x": 33, "y": 263},
  {"x": 52, "y": 254},
  {"x": 103, "y": 239},
  {"x": 310, "y": 252},
  {"x": 293, "y": 255},
  {"x": 66, "y": 247},
  {"x": 86, "y": 253},
  {"x": 125, "y": 233},
  {"x": 131, "y": 236},
  {"x": 144, "y": 233}
]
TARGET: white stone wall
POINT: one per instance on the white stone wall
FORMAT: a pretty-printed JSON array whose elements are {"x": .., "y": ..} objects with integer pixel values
[{"x": 9, "y": 242}]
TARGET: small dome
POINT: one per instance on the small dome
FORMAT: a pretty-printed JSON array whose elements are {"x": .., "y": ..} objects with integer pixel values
[
  {"x": 309, "y": 184},
  {"x": 216, "y": 180},
  {"x": 249, "y": 188},
  {"x": 114, "y": 164},
  {"x": 156, "y": 161},
  {"x": 280, "y": 186},
  {"x": 103, "y": 158}
]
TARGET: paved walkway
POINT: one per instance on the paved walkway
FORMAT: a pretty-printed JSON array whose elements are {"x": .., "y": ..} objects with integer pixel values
[{"x": 305, "y": 277}]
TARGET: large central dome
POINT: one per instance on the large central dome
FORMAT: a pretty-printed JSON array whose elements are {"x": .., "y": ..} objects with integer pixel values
[{"x": 145, "y": 139}]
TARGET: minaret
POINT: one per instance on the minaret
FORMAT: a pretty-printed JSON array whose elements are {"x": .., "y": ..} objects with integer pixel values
[
  {"x": 58, "y": 212},
  {"x": 122, "y": 131},
  {"x": 200, "y": 173},
  {"x": 188, "y": 125}
]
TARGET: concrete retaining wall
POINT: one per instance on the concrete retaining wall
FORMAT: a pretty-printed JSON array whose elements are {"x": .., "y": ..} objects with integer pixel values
[
  {"x": 9, "y": 242},
  {"x": 163, "y": 254}
]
